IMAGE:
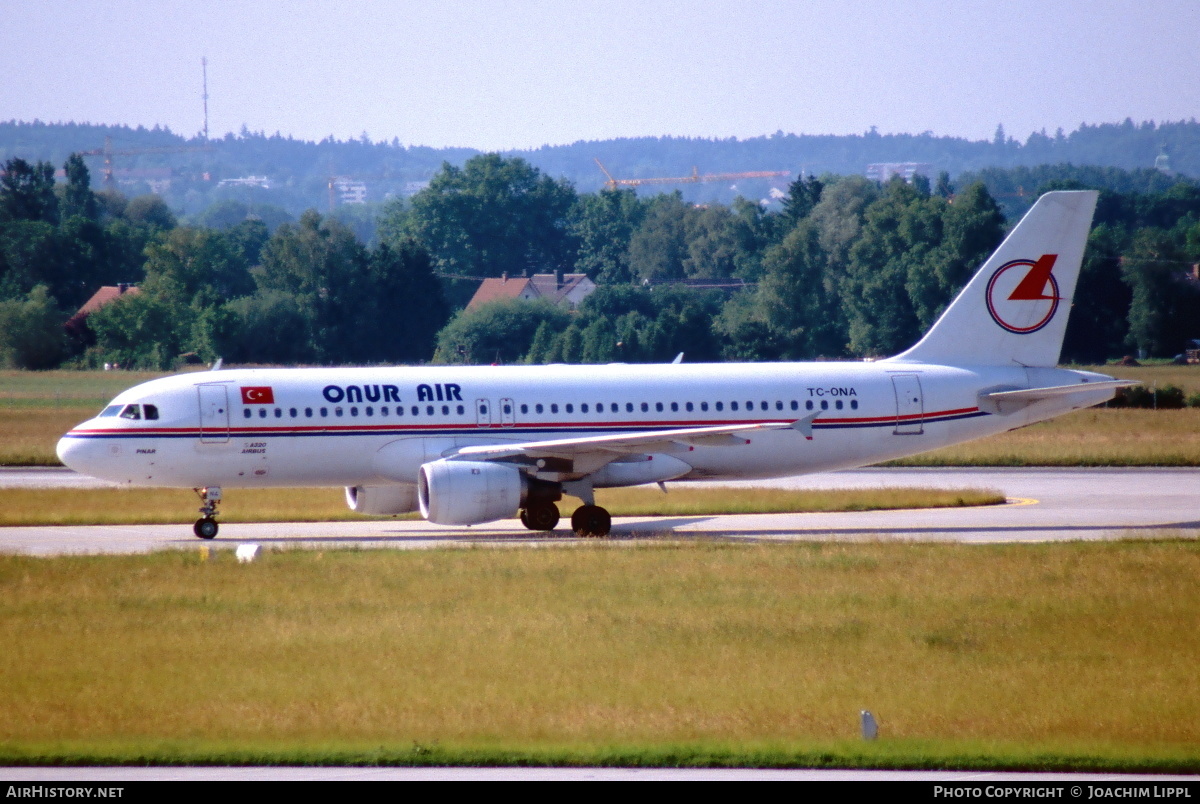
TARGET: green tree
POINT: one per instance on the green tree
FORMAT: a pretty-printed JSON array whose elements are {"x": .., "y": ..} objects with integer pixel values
[
  {"x": 140, "y": 330},
  {"x": 971, "y": 228},
  {"x": 1165, "y": 308},
  {"x": 198, "y": 264},
  {"x": 151, "y": 211},
  {"x": 499, "y": 332},
  {"x": 888, "y": 282},
  {"x": 31, "y": 331},
  {"x": 323, "y": 265},
  {"x": 406, "y": 308},
  {"x": 77, "y": 196},
  {"x": 495, "y": 215},
  {"x": 793, "y": 314},
  {"x": 802, "y": 196},
  {"x": 27, "y": 192},
  {"x": 1099, "y": 323},
  {"x": 604, "y": 223},
  {"x": 658, "y": 247}
]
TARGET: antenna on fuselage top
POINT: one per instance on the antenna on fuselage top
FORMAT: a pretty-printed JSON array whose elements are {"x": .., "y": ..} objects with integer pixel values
[
  {"x": 678, "y": 359},
  {"x": 217, "y": 365}
]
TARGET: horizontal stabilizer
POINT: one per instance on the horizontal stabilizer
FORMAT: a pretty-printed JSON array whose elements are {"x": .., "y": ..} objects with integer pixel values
[{"x": 1004, "y": 402}]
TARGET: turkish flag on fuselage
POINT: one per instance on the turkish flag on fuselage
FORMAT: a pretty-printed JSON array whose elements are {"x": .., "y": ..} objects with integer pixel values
[{"x": 258, "y": 395}]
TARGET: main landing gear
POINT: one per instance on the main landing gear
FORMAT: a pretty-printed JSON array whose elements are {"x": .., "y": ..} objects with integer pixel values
[
  {"x": 591, "y": 520},
  {"x": 588, "y": 520},
  {"x": 206, "y": 525}
]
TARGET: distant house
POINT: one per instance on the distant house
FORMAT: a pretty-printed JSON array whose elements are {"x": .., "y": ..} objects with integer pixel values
[
  {"x": 76, "y": 324},
  {"x": 883, "y": 171},
  {"x": 570, "y": 290}
]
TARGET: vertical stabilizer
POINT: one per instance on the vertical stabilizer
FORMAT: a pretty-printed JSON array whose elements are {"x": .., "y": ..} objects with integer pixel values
[{"x": 1014, "y": 310}]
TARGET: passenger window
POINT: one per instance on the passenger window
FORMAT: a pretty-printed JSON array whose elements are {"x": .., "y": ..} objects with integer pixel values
[
  {"x": 524, "y": 408},
  {"x": 629, "y": 407},
  {"x": 795, "y": 405},
  {"x": 324, "y": 412},
  {"x": 262, "y": 413},
  {"x": 689, "y": 407},
  {"x": 778, "y": 404},
  {"x": 733, "y": 406},
  {"x": 429, "y": 410},
  {"x": 854, "y": 404},
  {"x": 764, "y": 405},
  {"x": 132, "y": 412},
  {"x": 308, "y": 413},
  {"x": 720, "y": 406},
  {"x": 416, "y": 411},
  {"x": 353, "y": 411},
  {"x": 370, "y": 411},
  {"x": 461, "y": 410},
  {"x": 246, "y": 413},
  {"x": 703, "y": 406},
  {"x": 674, "y": 407},
  {"x": 278, "y": 413},
  {"x": 554, "y": 407},
  {"x": 445, "y": 410},
  {"x": 824, "y": 404},
  {"x": 292, "y": 412},
  {"x": 570, "y": 408},
  {"x": 150, "y": 411},
  {"x": 337, "y": 411},
  {"x": 508, "y": 408},
  {"x": 808, "y": 405},
  {"x": 658, "y": 406},
  {"x": 583, "y": 408},
  {"x": 645, "y": 407},
  {"x": 538, "y": 408},
  {"x": 838, "y": 404}
]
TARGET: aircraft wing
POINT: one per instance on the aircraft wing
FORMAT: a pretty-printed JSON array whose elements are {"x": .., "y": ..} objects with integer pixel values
[{"x": 612, "y": 446}]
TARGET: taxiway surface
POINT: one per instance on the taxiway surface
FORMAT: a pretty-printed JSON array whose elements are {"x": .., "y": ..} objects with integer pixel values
[{"x": 1044, "y": 505}]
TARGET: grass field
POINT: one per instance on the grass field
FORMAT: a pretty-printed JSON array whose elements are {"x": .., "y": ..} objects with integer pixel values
[
  {"x": 36, "y": 408},
  {"x": 1046, "y": 656},
  {"x": 161, "y": 506}
]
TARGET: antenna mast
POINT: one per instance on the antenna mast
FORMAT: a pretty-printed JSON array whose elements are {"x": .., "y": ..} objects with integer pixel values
[{"x": 204, "y": 67}]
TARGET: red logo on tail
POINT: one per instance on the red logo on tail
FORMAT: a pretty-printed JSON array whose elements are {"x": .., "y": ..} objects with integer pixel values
[
  {"x": 1022, "y": 296},
  {"x": 1033, "y": 286}
]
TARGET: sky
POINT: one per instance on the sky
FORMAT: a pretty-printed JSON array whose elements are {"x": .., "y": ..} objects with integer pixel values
[{"x": 520, "y": 74}]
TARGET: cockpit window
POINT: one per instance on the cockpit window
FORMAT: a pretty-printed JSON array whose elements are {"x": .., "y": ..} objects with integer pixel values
[
  {"x": 111, "y": 410},
  {"x": 150, "y": 411},
  {"x": 132, "y": 412}
]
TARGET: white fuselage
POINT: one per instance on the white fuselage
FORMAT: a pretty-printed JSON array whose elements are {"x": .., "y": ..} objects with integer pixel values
[{"x": 377, "y": 426}]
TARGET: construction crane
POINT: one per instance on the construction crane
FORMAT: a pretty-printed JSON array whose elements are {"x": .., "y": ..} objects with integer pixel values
[
  {"x": 108, "y": 153},
  {"x": 695, "y": 178}
]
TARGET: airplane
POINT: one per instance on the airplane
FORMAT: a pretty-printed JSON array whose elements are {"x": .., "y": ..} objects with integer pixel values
[{"x": 470, "y": 445}]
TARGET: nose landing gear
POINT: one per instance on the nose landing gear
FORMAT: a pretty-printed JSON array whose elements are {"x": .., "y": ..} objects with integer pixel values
[{"x": 206, "y": 525}]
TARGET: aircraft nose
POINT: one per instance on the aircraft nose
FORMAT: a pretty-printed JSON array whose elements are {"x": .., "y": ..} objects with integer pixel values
[{"x": 76, "y": 454}]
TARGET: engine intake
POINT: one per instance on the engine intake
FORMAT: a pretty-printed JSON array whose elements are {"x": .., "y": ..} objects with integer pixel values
[{"x": 469, "y": 492}]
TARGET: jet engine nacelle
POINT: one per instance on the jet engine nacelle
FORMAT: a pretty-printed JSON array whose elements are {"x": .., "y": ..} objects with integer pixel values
[
  {"x": 468, "y": 492},
  {"x": 398, "y": 498}
]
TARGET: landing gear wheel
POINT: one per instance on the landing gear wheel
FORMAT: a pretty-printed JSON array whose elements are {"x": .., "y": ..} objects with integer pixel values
[
  {"x": 591, "y": 520},
  {"x": 540, "y": 516},
  {"x": 205, "y": 528}
]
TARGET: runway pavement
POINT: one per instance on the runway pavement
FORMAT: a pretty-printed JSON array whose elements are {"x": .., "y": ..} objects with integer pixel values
[{"x": 1044, "y": 505}]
